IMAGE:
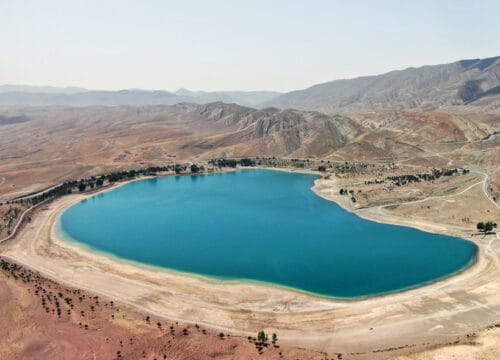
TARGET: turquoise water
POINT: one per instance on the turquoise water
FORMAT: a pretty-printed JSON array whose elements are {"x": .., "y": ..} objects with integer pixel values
[{"x": 261, "y": 225}]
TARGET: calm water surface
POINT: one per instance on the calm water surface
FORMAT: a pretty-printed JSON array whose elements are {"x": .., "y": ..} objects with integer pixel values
[{"x": 261, "y": 225}]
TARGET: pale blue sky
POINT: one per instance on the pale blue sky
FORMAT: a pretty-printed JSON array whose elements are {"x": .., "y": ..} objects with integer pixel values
[{"x": 234, "y": 45}]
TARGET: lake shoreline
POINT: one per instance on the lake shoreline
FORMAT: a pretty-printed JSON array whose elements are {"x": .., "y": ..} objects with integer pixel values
[
  {"x": 61, "y": 234},
  {"x": 231, "y": 305}
]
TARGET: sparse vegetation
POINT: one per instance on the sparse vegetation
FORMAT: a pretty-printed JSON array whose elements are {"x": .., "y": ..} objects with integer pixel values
[
  {"x": 77, "y": 308},
  {"x": 486, "y": 227}
]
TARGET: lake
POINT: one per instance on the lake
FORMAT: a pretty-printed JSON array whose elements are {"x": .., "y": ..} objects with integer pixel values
[{"x": 261, "y": 225}]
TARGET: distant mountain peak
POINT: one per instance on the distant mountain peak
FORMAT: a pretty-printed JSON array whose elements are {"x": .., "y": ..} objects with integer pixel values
[{"x": 184, "y": 92}]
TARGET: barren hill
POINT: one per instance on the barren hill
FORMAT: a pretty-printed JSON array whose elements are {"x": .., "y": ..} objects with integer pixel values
[
  {"x": 42, "y": 146},
  {"x": 466, "y": 85}
]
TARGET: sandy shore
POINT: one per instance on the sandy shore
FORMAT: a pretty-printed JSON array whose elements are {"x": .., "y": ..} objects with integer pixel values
[{"x": 434, "y": 314}]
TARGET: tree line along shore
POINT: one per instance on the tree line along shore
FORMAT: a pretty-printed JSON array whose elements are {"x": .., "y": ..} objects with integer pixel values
[{"x": 382, "y": 174}]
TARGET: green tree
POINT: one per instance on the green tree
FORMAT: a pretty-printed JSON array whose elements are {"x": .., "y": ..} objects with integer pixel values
[
  {"x": 262, "y": 336},
  {"x": 486, "y": 226},
  {"x": 275, "y": 338},
  {"x": 194, "y": 168},
  {"x": 247, "y": 162},
  {"x": 82, "y": 186}
]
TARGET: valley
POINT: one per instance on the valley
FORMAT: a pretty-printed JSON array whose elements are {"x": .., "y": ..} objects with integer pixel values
[{"x": 419, "y": 158}]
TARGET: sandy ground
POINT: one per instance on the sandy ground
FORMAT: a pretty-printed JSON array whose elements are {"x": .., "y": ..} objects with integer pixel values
[
  {"x": 398, "y": 324},
  {"x": 484, "y": 346}
]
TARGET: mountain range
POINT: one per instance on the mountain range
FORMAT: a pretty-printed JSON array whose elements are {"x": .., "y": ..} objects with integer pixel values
[
  {"x": 470, "y": 85},
  {"x": 25, "y": 95},
  {"x": 462, "y": 86}
]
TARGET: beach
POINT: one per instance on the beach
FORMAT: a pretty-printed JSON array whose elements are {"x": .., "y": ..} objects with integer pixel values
[{"x": 408, "y": 321}]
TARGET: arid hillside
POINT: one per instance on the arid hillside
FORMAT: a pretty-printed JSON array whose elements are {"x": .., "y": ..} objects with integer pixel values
[
  {"x": 42, "y": 146},
  {"x": 463, "y": 86}
]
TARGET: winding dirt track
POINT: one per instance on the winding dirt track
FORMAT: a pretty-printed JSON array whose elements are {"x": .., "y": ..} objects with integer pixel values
[
  {"x": 432, "y": 314},
  {"x": 485, "y": 190}
]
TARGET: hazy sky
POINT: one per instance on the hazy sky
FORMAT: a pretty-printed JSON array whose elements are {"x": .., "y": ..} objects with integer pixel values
[{"x": 234, "y": 45}]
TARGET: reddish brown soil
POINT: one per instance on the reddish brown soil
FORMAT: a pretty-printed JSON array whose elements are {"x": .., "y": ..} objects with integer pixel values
[{"x": 48, "y": 321}]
